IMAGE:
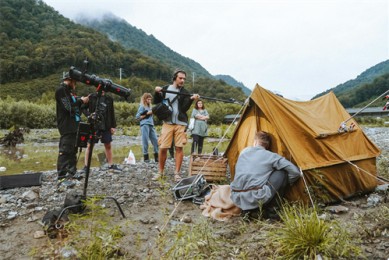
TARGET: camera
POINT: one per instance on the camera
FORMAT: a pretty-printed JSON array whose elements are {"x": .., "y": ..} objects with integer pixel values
[{"x": 102, "y": 84}]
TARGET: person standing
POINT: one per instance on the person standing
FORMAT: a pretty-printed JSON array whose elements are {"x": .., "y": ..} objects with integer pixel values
[
  {"x": 261, "y": 177},
  {"x": 103, "y": 113},
  {"x": 68, "y": 107},
  {"x": 175, "y": 125},
  {"x": 200, "y": 129},
  {"x": 146, "y": 122}
]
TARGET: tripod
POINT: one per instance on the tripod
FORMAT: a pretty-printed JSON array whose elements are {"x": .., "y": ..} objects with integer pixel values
[{"x": 89, "y": 133}]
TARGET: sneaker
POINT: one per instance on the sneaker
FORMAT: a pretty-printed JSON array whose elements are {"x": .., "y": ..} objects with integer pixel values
[
  {"x": 157, "y": 177},
  {"x": 177, "y": 177},
  {"x": 114, "y": 168},
  {"x": 66, "y": 183}
]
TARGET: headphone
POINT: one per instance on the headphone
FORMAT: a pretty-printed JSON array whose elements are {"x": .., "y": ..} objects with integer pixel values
[{"x": 176, "y": 73}]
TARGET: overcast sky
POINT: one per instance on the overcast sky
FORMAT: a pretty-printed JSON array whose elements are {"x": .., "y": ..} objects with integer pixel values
[{"x": 296, "y": 48}]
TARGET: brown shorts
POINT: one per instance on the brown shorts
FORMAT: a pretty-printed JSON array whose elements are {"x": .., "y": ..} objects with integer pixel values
[{"x": 170, "y": 131}]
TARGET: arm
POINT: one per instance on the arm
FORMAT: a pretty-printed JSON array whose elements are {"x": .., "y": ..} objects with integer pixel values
[
  {"x": 292, "y": 171},
  {"x": 158, "y": 94}
]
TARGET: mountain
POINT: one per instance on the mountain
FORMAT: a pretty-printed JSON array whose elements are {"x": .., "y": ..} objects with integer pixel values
[
  {"x": 233, "y": 82},
  {"x": 365, "y": 77},
  {"x": 119, "y": 30},
  {"x": 38, "y": 45},
  {"x": 129, "y": 36}
]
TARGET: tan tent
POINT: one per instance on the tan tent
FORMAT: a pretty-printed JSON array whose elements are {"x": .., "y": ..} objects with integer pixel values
[{"x": 336, "y": 164}]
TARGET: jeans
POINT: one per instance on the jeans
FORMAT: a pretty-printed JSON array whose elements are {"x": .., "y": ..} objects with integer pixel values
[{"x": 148, "y": 132}]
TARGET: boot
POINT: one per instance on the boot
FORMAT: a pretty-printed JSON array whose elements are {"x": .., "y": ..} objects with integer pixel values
[
  {"x": 146, "y": 158},
  {"x": 156, "y": 157}
]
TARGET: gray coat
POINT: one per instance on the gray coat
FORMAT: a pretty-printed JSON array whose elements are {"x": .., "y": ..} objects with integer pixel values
[
  {"x": 253, "y": 169},
  {"x": 200, "y": 126}
]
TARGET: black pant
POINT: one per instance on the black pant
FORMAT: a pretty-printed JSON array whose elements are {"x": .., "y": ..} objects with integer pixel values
[
  {"x": 198, "y": 142},
  {"x": 67, "y": 156},
  {"x": 278, "y": 181}
]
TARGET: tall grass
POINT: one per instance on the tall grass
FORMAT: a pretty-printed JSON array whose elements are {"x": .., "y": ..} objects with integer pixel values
[{"x": 304, "y": 235}]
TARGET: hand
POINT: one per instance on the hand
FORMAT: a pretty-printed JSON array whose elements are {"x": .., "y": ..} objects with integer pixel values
[
  {"x": 113, "y": 130},
  {"x": 85, "y": 99},
  {"x": 195, "y": 96},
  {"x": 158, "y": 89}
]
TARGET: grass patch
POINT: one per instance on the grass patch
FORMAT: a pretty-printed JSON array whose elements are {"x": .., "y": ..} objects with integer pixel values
[
  {"x": 303, "y": 235},
  {"x": 92, "y": 235}
]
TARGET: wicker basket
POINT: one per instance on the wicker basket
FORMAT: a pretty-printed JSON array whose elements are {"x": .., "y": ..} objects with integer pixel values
[{"x": 212, "y": 167}]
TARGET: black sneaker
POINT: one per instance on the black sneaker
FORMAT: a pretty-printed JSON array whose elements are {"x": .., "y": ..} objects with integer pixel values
[{"x": 114, "y": 168}]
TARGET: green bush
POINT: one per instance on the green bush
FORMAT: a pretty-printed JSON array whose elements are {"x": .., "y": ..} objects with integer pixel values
[
  {"x": 26, "y": 114},
  {"x": 42, "y": 114}
]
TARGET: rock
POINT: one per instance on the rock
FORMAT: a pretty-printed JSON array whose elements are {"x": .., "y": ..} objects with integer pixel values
[
  {"x": 39, "y": 234},
  {"x": 373, "y": 200},
  {"x": 337, "y": 209},
  {"x": 30, "y": 195},
  {"x": 186, "y": 219}
]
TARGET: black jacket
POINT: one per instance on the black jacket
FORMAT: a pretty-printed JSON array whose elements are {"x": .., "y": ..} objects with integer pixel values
[
  {"x": 67, "y": 109},
  {"x": 105, "y": 110},
  {"x": 184, "y": 102}
]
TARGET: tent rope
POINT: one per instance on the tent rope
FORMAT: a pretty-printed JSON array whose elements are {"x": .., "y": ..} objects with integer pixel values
[
  {"x": 309, "y": 194},
  {"x": 344, "y": 122},
  {"x": 223, "y": 137},
  {"x": 360, "y": 169}
]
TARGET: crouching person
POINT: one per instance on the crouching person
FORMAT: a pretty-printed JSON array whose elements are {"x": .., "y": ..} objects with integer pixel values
[{"x": 261, "y": 178}]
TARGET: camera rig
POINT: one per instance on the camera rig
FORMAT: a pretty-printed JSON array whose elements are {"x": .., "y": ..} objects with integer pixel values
[{"x": 101, "y": 84}]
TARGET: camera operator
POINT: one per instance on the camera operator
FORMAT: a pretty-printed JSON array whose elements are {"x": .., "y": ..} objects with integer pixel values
[
  {"x": 68, "y": 107},
  {"x": 103, "y": 114}
]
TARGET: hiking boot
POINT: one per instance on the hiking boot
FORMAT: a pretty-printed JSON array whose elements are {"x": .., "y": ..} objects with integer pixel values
[
  {"x": 146, "y": 158},
  {"x": 156, "y": 157},
  {"x": 114, "y": 168}
]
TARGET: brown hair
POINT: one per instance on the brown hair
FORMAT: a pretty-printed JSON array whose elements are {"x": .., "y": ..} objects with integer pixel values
[
  {"x": 144, "y": 98},
  {"x": 264, "y": 139},
  {"x": 197, "y": 107}
]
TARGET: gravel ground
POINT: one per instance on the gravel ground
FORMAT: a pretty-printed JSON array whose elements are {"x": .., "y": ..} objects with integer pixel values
[{"x": 146, "y": 205}]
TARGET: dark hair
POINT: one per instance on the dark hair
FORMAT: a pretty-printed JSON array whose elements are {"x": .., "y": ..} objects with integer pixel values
[
  {"x": 263, "y": 138},
  {"x": 176, "y": 73},
  {"x": 197, "y": 107}
]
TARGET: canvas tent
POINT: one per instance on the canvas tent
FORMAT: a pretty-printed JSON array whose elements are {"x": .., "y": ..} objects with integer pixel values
[{"x": 335, "y": 164}]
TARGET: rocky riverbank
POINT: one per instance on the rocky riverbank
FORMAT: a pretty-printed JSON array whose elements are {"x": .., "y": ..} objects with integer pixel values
[{"x": 146, "y": 203}]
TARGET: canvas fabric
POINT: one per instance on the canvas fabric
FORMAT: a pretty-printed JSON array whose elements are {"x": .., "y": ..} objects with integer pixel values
[{"x": 306, "y": 133}]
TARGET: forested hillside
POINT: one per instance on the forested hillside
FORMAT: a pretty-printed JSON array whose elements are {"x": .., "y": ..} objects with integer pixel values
[
  {"x": 39, "y": 44},
  {"x": 231, "y": 81},
  {"x": 363, "y": 94},
  {"x": 130, "y": 37},
  {"x": 366, "y": 77}
]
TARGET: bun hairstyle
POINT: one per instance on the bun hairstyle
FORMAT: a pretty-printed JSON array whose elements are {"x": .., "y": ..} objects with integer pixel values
[{"x": 176, "y": 73}]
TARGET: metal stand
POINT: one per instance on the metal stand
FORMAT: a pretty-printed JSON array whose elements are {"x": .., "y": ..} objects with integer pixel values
[{"x": 92, "y": 144}]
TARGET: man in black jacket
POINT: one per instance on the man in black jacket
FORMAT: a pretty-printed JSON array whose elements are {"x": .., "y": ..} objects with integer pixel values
[
  {"x": 105, "y": 125},
  {"x": 68, "y": 107},
  {"x": 175, "y": 126}
]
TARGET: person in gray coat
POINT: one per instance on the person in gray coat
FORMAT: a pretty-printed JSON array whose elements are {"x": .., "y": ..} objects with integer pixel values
[{"x": 261, "y": 178}]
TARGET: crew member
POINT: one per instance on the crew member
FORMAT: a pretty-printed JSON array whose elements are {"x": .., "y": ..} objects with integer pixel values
[
  {"x": 103, "y": 113},
  {"x": 174, "y": 126},
  {"x": 68, "y": 107}
]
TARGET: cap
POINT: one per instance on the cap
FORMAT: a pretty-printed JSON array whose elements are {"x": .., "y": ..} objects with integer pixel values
[{"x": 66, "y": 76}]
